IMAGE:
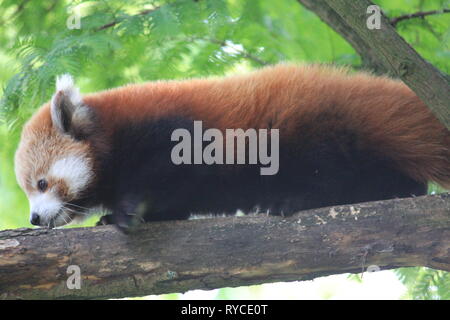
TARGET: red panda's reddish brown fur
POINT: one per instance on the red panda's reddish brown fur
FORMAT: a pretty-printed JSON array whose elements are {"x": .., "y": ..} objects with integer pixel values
[{"x": 389, "y": 118}]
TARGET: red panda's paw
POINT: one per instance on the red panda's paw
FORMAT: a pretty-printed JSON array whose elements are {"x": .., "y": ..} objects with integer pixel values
[
  {"x": 128, "y": 213},
  {"x": 105, "y": 220},
  {"x": 126, "y": 222}
]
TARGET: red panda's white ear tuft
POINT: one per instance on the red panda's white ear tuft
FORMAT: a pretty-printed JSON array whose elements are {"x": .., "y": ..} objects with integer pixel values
[
  {"x": 65, "y": 84},
  {"x": 69, "y": 114}
]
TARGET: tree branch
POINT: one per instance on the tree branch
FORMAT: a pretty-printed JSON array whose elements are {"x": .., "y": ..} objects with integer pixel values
[
  {"x": 370, "y": 60},
  {"x": 115, "y": 22},
  {"x": 398, "y": 56},
  {"x": 226, "y": 252},
  {"x": 420, "y": 14}
]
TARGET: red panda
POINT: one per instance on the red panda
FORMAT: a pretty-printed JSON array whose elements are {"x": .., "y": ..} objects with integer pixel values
[{"x": 343, "y": 138}]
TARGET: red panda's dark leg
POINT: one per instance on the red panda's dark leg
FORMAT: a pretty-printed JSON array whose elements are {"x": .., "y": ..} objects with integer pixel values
[
  {"x": 128, "y": 212},
  {"x": 105, "y": 220}
]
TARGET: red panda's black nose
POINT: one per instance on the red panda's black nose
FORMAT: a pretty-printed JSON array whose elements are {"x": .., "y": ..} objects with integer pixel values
[{"x": 35, "y": 219}]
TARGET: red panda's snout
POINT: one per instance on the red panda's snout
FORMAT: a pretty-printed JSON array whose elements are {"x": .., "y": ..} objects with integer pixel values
[
  {"x": 53, "y": 163},
  {"x": 52, "y": 197}
]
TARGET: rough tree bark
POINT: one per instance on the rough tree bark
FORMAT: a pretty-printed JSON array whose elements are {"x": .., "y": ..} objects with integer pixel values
[{"x": 226, "y": 252}]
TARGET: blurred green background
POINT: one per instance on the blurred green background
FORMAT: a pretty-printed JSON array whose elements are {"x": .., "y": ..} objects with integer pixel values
[{"x": 119, "y": 42}]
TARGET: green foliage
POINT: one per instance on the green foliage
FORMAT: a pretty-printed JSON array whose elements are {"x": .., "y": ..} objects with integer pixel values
[
  {"x": 425, "y": 284},
  {"x": 133, "y": 41}
]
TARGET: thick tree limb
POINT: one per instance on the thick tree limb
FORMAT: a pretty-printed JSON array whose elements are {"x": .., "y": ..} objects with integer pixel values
[
  {"x": 397, "y": 55},
  {"x": 226, "y": 252},
  {"x": 370, "y": 60}
]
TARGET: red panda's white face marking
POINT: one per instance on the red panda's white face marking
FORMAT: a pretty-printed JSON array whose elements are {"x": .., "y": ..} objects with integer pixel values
[
  {"x": 74, "y": 170},
  {"x": 67, "y": 178},
  {"x": 54, "y": 162},
  {"x": 60, "y": 164}
]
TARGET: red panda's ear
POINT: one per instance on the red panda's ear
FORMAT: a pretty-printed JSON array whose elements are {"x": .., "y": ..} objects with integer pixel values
[{"x": 69, "y": 114}]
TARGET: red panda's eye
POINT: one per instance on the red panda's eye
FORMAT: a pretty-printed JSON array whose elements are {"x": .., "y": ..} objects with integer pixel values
[{"x": 42, "y": 185}]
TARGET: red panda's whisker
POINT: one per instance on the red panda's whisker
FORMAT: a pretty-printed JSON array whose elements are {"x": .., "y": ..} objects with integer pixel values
[
  {"x": 68, "y": 209},
  {"x": 76, "y": 206},
  {"x": 65, "y": 218},
  {"x": 75, "y": 211},
  {"x": 70, "y": 219}
]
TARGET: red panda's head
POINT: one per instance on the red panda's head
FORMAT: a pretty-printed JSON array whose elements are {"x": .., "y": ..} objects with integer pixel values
[{"x": 54, "y": 162}]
